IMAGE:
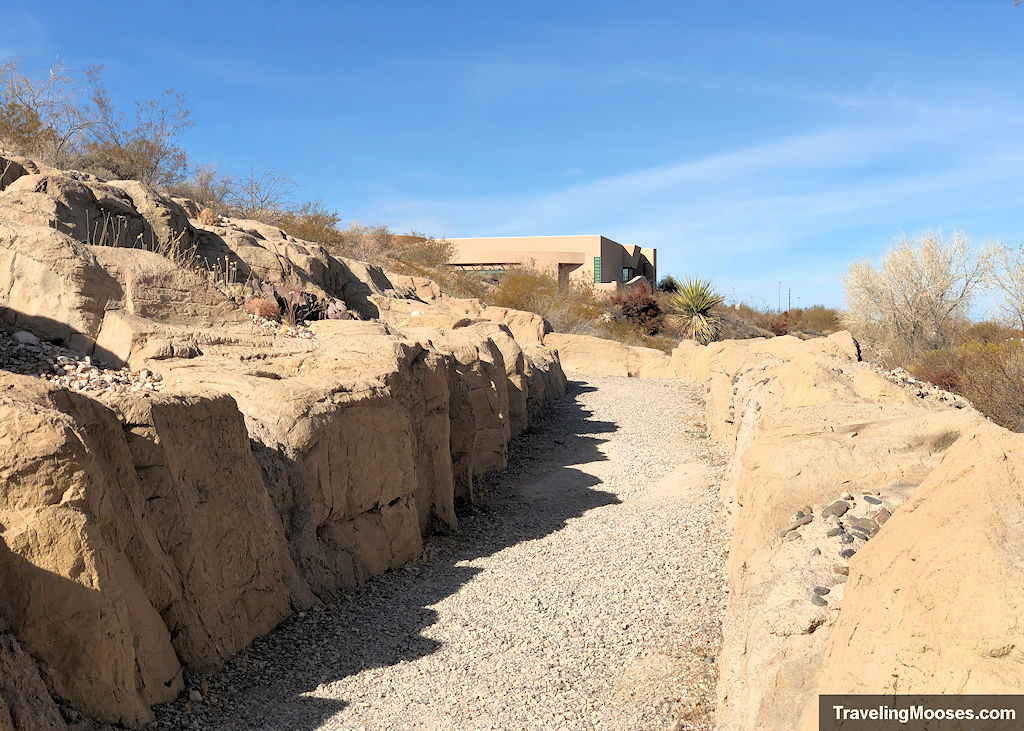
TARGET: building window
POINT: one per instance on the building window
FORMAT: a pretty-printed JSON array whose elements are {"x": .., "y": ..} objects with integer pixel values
[
  {"x": 597, "y": 270},
  {"x": 627, "y": 274}
]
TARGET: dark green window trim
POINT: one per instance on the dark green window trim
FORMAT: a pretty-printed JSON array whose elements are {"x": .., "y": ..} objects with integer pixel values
[{"x": 597, "y": 270}]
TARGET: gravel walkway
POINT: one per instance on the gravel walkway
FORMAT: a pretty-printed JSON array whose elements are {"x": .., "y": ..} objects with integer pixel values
[{"x": 586, "y": 593}]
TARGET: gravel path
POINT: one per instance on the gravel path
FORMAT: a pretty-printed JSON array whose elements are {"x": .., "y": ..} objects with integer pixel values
[{"x": 586, "y": 593}]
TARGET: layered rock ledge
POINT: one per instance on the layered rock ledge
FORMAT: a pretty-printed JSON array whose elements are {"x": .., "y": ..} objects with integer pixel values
[{"x": 183, "y": 479}]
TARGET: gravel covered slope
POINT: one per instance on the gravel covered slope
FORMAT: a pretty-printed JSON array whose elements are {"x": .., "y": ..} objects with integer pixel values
[{"x": 586, "y": 593}]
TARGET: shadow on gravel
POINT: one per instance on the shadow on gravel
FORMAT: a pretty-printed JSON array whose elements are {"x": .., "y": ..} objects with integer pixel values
[{"x": 379, "y": 624}]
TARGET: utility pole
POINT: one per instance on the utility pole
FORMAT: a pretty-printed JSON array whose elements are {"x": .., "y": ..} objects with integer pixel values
[
  {"x": 789, "y": 306},
  {"x": 780, "y": 296}
]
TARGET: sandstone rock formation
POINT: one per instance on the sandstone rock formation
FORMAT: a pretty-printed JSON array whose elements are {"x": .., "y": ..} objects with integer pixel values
[
  {"x": 145, "y": 529},
  {"x": 600, "y": 357},
  {"x": 929, "y": 605}
]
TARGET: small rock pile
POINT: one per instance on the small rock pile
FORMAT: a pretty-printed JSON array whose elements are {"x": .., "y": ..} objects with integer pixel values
[
  {"x": 923, "y": 389},
  {"x": 25, "y": 354},
  {"x": 841, "y": 525},
  {"x": 298, "y": 330}
]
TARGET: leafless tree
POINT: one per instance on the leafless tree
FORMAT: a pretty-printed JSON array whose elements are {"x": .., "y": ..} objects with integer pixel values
[
  {"x": 143, "y": 146},
  {"x": 264, "y": 194},
  {"x": 920, "y": 296},
  {"x": 1008, "y": 281},
  {"x": 41, "y": 117},
  {"x": 208, "y": 186}
]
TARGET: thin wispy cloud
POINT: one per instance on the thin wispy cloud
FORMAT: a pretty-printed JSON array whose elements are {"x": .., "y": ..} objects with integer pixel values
[{"x": 731, "y": 213}]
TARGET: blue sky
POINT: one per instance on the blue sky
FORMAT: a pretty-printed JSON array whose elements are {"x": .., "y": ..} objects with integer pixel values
[{"x": 750, "y": 142}]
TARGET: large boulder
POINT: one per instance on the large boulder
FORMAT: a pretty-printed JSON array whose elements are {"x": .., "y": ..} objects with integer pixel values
[
  {"x": 933, "y": 604},
  {"x": 92, "y": 213},
  {"x": 53, "y": 285},
  {"x": 810, "y": 424},
  {"x": 594, "y": 356}
]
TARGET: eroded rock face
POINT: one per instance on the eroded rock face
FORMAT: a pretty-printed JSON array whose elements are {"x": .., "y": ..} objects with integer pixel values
[
  {"x": 601, "y": 357},
  {"x": 25, "y": 703},
  {"x": 144, "y": 532},
  {"x": 928, "y": 524},
  {"x": 933, "y": 603}
]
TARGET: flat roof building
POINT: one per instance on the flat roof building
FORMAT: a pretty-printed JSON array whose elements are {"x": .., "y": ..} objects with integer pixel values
[{"x": 593, "y": 259}]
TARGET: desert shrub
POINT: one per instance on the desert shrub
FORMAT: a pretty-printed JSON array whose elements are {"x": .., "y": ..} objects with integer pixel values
[
  {"x": 141, "y": 146},
  {"x": 312, "y": 221},
  {"x": 814, "y": 320},
  {"x": 988, "y": 373},
  {"x": 263, "y": 307},
  {"x": 41, "y": 117},
  {"x": 208, "y": 217},
  {"x": 207, "y": 186},
  {"x": 777, "y": 322},
  {"x": 919, "y": 298},
  {"x": 265, "y": 194},
  {"x": 571, "y": 308},
  {"x": 696, "y": 301},
  {"x": 991, "y": 376},
  {"x": 639, "y": 308},
  {"x": 989, "y": 331},
  {"x": 668, "y": 284}
]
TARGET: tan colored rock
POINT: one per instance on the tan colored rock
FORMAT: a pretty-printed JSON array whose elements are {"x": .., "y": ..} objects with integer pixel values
[
  {"x": 79, "y": 565},
  {"x": 424, "y": 289},
  {"x": 74, "y": 208},
  {"x": 52, "y": 285},
  {"x": 544, "y": 378},
  {"x": 25, "y": 703},
  {"x": 10, "y": 170},
  {"x": 166, "y": 222},
  {"x": 933, "y": 604},
  {"x": 198, "y": 477},
  {"x": 146, "y": 531},
  {"x": 601, "y": 357},
  {"x": 809, "y": 423}
]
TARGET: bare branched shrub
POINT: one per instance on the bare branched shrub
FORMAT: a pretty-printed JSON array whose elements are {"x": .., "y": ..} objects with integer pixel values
[
  {"x": 639, "y": 308},
  {"x": 412, "y": 253},
  {"x": 265, "y": 194},
  {"x": 920, "y": 297},
  {"x": 142, "y": 146},
  {"x": 207, "y": 186},
  {"x": 41, "y": 117},
  {"x": 572, "y": 308},
  {"x": 989, "y": 374},
  {"x": 312, "y": 221}
]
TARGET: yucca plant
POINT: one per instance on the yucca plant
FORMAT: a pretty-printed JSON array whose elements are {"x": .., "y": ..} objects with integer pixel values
[{"x": 696, "y": 300}]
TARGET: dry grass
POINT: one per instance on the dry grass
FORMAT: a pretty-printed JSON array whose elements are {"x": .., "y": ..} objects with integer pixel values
[
  {"x": 986, "y": 367},
  {"x": 263, "y": 307},
  {"x": 814, "y": 320}
]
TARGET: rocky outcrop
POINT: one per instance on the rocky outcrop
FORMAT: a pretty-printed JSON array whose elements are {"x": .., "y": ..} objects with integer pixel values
[
  {"x": 840, "y": 471},
  {"x": 594, "y": 356},
  {"x": 249, "y": 472}
]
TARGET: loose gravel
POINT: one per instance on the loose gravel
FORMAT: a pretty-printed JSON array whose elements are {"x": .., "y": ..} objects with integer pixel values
[
  {"x": 582, "y": 594},
  {"x": 23, "y": 353}
]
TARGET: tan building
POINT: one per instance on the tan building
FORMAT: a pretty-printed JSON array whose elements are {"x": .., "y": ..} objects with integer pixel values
[{"x": 593, "y": 259}]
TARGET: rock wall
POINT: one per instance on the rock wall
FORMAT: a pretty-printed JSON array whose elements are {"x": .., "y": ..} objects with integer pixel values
[
  {"x": 877, "y": 536},
  {"x": 601, "y": 357},
  {"x": 146, "y": 530}
]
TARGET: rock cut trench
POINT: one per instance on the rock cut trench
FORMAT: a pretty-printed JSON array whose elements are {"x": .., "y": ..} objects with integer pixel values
[{"x": 586, "y": 592}]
